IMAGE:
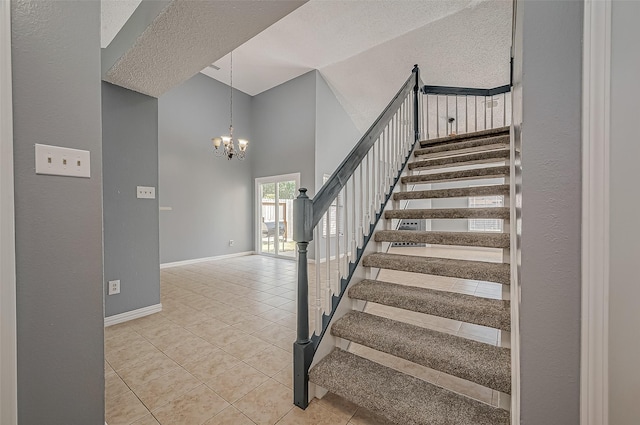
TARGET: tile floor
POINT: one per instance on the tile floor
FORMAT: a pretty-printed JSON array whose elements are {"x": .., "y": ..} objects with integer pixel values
[{"x": 220, "y": 351}]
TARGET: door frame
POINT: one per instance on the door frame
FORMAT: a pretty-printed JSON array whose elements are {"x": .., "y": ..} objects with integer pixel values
[
  {"x": 257, "y": 209},
  {"x": 596, "y": 107},
  {"x": 8, "y": 332}
]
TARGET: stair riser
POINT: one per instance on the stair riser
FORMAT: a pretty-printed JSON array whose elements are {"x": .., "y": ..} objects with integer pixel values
[
  {"x": 466, "y": 137},
  {"x": 445, "y": 238},
  {"x": 463, "y": 175},
  {"x": 477, "y": 362},
  {"x": 460, "y": 147},
  {"x": 501, "y": 213},
  {"x": 442, "y": 154},
  {"x": 464, "y": 308},
  {"x": 464, "y": 192},
  {"x": 488, "y": 272},
  {"x": 461, "y": 160}
]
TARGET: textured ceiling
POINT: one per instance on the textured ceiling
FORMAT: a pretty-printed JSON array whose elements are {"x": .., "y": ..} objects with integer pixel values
[
  {"x": 113, "y": 15},
  {"x": 324, "y": 32},
  {"x": 187, "y": 36},
  {"x": 364, "y": 49}
]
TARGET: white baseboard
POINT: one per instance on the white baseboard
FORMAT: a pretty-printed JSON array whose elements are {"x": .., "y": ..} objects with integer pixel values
[
  {"x": 202, "y": 260},
  {"x": 133, "y": 314}
]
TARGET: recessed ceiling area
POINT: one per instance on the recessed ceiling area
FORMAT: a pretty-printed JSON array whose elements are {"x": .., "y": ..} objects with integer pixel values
[{"x": 364, "y": 49}]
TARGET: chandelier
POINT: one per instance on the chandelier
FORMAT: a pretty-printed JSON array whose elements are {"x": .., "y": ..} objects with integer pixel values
[{"x": 226, "y": 145}]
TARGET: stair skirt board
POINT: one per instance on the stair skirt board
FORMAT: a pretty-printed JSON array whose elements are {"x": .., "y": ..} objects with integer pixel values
[{"x": 398, "y": 397}]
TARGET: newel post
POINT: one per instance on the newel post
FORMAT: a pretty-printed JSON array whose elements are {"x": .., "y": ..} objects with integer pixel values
[
  {"x": 302, "y": 348},
  {"x": 416, "y": 103}
]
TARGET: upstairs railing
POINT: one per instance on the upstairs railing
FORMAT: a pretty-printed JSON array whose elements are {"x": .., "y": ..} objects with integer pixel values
[
  {"x": 341, "y": 217},
  {"x": 457, "y": 110}
]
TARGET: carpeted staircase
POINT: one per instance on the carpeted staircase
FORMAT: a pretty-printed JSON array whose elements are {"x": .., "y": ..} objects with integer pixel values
[{"x": 392, "y": 394}]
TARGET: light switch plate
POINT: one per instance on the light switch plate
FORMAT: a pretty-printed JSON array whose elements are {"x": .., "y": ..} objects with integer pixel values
[
  {"x": 59, "y": 161},
  {"x": 146, "y": 192}
]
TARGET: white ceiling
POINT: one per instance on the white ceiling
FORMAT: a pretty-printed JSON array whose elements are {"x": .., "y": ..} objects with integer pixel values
[
  {"x": 113, "y": 15},
  {"x": 365, "y": 49}
]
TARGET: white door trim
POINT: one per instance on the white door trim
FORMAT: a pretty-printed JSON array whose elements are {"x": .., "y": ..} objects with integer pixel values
[
  {"x": 8, "y": 357},
  {"x": 594, "y": 392}
]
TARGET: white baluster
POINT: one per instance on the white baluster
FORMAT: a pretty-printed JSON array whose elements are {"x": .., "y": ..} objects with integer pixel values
[{"x": 318, "y": 306}]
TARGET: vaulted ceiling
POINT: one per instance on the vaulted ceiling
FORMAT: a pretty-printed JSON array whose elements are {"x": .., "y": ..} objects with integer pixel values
[{"x": 364, "y": 49}]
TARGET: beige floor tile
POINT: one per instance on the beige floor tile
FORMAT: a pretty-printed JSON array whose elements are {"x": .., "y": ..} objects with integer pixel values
[
  {"x": 171, "y": 339},
  {"x": 275, "y": 314},
  {"x": 195, "y": 407},
  {"x": 189, "y": 318},
  {"x": 236, "y": 382},
  {"x": 213, "y": 365},
  {"x": 138, "y": 375},
  {"x": 136, "y": 353},
  {"x": 314, "y": 414},
  {"x": 266, "y": 404},
  {"x": 271, "y": 360},
  {"x": 467, "y": 388},
  {"x": 365, "y": 417},
  {"x": 114, "y": 385},
  {"x": 226, "y": 336},
  {"x": 338, "y": 406},
  {"x": 207, "y": 328},
  {"x": 147, "y": 420},
  {"x": 190, "y": 350},
  {"x": 162, "y": 327},
  {"x": 230, "y": 416},
  {"x": 160, "y": 391},
  {"x": 121, "y": 340},
  {"x": 246, "y": 347},
  {"x": 124, "y": 409},
  {"x": 285, "y": 376},
  {"x": 145, "y": 321},
  {"x": 253, "y": 324}
]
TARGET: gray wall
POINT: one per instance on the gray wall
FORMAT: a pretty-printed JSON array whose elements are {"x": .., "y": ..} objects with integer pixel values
[
  {"x": 624, "y": 291},
  {"x": 335, "y": 132},
  {"x": 56, "y": 100},
  {"x": 130, "y": 159},
  {"x": 284, "y": 126},
  {"x": 548, "y": 76},
  {"x": 211, "y": 198}
]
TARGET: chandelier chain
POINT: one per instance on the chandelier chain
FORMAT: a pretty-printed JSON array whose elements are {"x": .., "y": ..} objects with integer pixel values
[{"x": 231, "y": 96}]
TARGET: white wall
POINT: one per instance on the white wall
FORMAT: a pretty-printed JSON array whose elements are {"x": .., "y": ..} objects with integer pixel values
[{"x": 624, "y": 284}]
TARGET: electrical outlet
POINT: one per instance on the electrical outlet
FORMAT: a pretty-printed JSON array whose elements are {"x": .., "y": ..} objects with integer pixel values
[
  {"x": 59, "y": 161},
  {"x": 230, "y": 242},
  {"x": 114, "y": 287},
  {"x": 146, "y": 192}
]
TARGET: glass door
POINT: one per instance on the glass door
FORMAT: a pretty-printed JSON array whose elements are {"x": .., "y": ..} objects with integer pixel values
[{"x": 274, "y": 196}]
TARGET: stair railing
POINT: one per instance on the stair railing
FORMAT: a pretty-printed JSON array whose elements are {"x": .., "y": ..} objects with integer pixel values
[
  {"x": 341, "y": 217},
  {"x": 457, "y": 110}
]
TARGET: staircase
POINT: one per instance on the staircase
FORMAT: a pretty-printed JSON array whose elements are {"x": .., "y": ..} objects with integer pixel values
[{"x": 393, "y": 394}]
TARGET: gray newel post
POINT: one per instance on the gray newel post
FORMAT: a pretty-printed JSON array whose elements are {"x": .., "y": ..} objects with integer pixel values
[{"x": 302, "y": 348}]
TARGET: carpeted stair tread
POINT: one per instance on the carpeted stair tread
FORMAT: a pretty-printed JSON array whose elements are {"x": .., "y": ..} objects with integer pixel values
[
  {"x": 399, "y": 398},
  {"x": 457, "y": 192},
  {"x": 449, "y": 213},
  {"x": 451, "y": 305},
  {"x": 450, "y": 176},
  {"x": 465, "y": 146},
  {"x": 463, "y": 269},
  {"x": 482, "y": 239},
  {"x": 460, "y": 160},
  {"x": 484, "y": 364},
  {"x": 466, "y": 136}
]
